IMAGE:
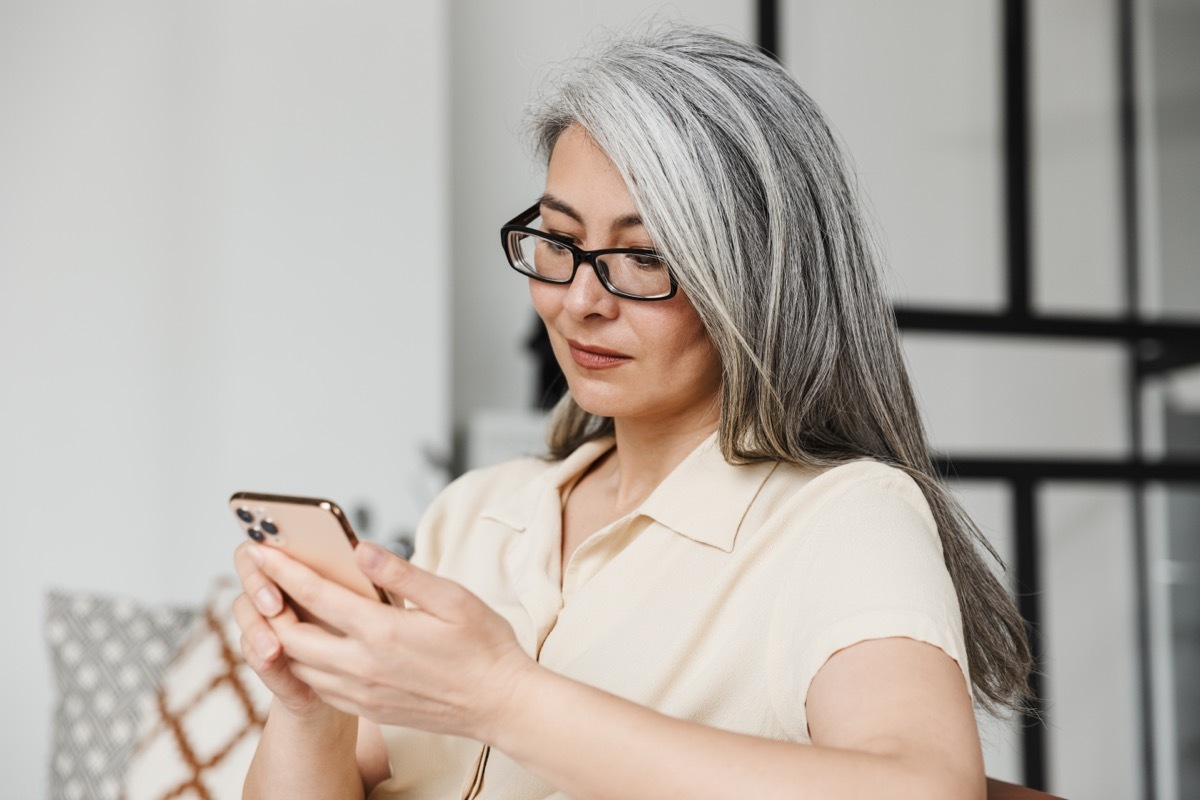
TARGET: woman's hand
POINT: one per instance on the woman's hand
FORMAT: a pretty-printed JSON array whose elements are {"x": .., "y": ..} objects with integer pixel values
[
  {"x": 261, "y": 601},
  {"x": 448, "y": 665}
]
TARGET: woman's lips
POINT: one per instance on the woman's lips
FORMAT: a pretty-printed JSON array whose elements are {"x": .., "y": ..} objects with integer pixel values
[{"x": 592, "y": 357}]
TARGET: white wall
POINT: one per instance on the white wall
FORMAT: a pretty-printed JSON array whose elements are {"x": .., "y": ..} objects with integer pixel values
[{"x": 222, "y": 266}]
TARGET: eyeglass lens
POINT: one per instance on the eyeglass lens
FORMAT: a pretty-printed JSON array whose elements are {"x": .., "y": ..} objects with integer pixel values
[{"x": 635, "y": 274}]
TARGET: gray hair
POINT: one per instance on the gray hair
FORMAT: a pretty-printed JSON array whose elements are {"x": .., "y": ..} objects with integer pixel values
[{"x": 741, "y": 185}]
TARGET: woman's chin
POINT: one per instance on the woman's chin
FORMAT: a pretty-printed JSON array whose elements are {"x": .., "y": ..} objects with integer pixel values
[
  {"x": 597, "y": 405},
  {"x": 598, "y": 409}
]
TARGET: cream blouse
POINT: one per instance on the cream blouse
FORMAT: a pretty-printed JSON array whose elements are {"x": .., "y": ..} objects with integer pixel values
[{"x": 716, "y": 601}]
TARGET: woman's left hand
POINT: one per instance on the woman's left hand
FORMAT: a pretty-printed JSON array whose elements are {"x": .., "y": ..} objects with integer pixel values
[{"x": 445, "y": 666}]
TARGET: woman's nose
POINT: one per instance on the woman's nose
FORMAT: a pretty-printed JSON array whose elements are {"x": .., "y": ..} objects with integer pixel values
[{"x": 587, "y": 295}]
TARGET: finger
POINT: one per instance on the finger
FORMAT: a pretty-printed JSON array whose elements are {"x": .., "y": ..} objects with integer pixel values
[
  {"x": 260, "y": 645},
  {"x": 326, "y": 600},
  {"x": 332, "y": 689},
  {"x": 312, "y": 646},
  {"x": 263, "y": 652},
  {"x": 262, "y": 642},
  {"x": 442, "y": 598},
  {"x": 242, "y": 561},
  {"x": 265, "y": 594},
  {"x": 248, "y": 617},
  {"x": 277, "y": 676}
]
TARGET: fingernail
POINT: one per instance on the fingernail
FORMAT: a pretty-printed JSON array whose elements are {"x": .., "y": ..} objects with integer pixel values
[
  {"x": 267, "y": 601},
  {"x": 265, "y": 644},
  {"x": 372, "y": 555},
  {"x": 256, "y": 555}
]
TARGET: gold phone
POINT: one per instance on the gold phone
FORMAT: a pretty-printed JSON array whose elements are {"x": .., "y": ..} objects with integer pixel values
[{"x": 315, "y": 532}]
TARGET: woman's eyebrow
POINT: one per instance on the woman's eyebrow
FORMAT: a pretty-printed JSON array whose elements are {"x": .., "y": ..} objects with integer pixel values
[
  {"x": 561, "y": 206},
  {"x": 552, "y": 202}
]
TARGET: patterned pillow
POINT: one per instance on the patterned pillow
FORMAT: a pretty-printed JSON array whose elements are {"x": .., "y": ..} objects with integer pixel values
[
  {"x": 203, "y": 725},
  {"x": 108, "y": 654}
]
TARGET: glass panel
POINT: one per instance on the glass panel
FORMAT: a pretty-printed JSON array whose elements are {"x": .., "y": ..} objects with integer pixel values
[
  {"x": 913, "y": 89},
  {"x": 1077, "y": 229},
  {"x": 1180, "y": 403},
  {"x": 1172, "y": 140},
  {"x": 1183, "y": 591},
  {"x": 1179, "y": 575},
  {"x": 987, "y": 396},
  {"x": 990, "y": 504},
  {"x": 1089, "y": 629}
]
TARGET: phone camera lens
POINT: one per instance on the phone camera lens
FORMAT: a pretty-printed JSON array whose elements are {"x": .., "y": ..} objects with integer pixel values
[
  {"x": 270, "y": 527},
  {"x": 244, "y": 515},
  {"x": 256, "y": 534}
]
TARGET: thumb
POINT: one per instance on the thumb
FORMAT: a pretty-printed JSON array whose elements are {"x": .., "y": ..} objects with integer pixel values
[{"x": 400, "y": 579}]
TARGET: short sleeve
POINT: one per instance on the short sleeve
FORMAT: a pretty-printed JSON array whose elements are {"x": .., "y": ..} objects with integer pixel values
[
  {"x": 445, "y": 526},
  {"x": 867, "y": 564}
]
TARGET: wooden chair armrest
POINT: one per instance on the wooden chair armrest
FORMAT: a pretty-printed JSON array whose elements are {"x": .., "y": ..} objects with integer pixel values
[{"x": 1000, "y": 790}]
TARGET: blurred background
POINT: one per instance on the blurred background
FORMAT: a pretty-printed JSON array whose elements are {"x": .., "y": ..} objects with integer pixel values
[{"x": 253, "y": 245}]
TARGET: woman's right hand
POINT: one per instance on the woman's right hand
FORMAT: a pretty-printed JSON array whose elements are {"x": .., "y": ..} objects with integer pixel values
[
  {"x": 308, "y": 750},
  {"x": 256, "y": 611}
]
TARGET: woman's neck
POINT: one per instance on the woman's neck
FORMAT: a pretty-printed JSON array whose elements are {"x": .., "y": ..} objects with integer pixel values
[{"x": 647, "y": 453}]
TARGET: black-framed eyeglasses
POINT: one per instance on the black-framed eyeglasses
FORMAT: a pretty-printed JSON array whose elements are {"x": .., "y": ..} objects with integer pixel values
[{"x": 632, "y": 272}]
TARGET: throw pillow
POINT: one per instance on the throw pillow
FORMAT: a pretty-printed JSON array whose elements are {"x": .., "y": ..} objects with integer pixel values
[
  {"x": 205, "y": 720},
  {"x": 107, "y": 654}
]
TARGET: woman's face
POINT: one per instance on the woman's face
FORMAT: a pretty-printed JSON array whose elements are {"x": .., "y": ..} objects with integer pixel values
[{"x": 626, "y": 359}]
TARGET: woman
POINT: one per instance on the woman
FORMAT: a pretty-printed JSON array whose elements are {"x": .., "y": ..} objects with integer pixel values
[{"x": 737, "y": 575}]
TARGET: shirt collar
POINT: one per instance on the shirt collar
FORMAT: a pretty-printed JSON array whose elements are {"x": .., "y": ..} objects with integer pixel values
[
  {"x": 683, "y": 502},
  {"x": 705, "y": 498},
  {"x": 517, "y": 509}
]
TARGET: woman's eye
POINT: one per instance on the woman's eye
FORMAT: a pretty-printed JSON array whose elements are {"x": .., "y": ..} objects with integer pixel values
[
  {"x": 554, "y": 247},
  {"x": 644, "y": 261}
]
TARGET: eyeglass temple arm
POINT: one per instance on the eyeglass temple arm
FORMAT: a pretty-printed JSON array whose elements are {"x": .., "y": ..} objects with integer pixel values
[{"x": 527, "y": 216}]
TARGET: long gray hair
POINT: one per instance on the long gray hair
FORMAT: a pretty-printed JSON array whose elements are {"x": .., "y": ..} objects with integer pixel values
[{"x": 742, "y": 187}]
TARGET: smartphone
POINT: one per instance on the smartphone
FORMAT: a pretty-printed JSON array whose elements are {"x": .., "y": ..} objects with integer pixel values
[{"x": 315, "y": 532}]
